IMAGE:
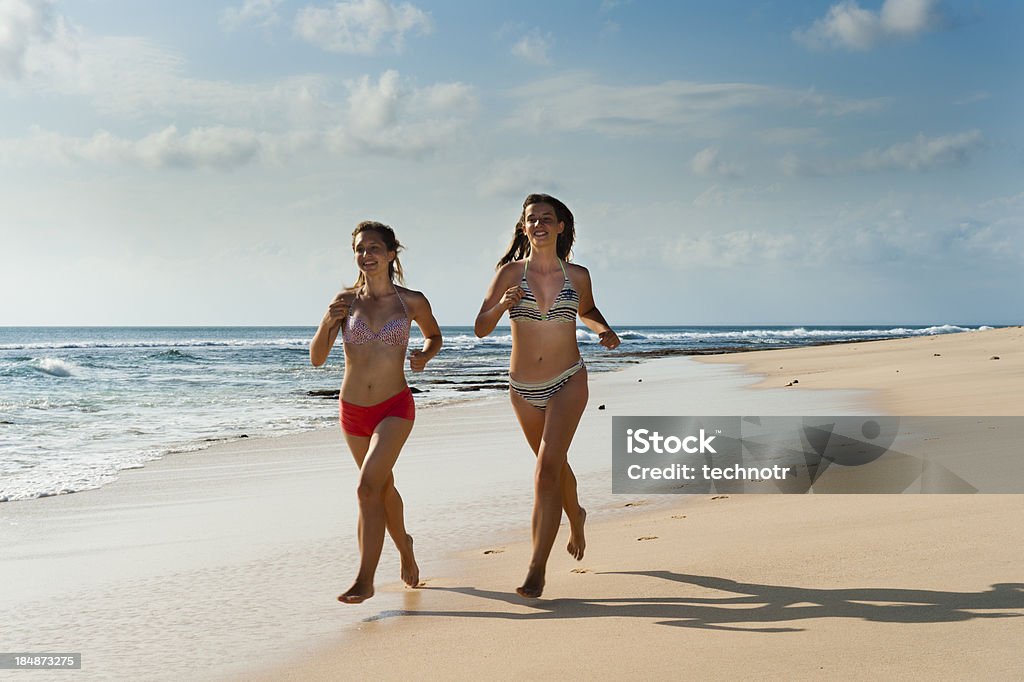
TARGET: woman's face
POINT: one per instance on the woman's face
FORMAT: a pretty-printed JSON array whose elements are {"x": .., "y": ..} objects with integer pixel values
[
  {"x": 541, "y": 224},
  {"x": 372, "y": 253}
]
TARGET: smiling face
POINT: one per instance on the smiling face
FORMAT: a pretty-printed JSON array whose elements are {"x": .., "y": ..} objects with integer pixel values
[
  {"x": 372, "y": 255},
  {"x": 541, "y": 224}
]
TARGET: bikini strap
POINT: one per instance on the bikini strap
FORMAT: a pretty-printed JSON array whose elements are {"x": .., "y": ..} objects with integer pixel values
[
  {"x": 564, "y": 274},
  {"x": 404, "y": 309}
]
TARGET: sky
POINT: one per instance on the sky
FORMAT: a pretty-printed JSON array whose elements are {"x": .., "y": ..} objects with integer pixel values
[{"x": 792, "y": 163}]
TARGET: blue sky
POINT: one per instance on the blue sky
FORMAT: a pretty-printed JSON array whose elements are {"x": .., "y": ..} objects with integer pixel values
[{"x": 727, "y": 162}]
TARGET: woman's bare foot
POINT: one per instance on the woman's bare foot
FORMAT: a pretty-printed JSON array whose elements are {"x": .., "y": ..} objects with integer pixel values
[
  {"x": 410, "y": 571},
  {"x": 577, "y": 541},
  {"x": 356, "y": 594},
  {"x": 533, "y": 586}
]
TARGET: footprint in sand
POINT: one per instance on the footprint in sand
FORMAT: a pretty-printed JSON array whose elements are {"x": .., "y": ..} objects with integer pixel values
[
  {"x": 580, "y": 570},
  {"x": 647, "y": 537},
  {"x": 639, "y": 503},
  {"x": 493, "y": 551},
  {"x": 720, "y": 497},
  {"x": 679, "y": 516}
]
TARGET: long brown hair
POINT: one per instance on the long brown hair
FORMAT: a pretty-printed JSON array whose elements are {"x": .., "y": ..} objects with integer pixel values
[
  {"x": 520, "y": 246},
  {"x": 387, "y": 235}
]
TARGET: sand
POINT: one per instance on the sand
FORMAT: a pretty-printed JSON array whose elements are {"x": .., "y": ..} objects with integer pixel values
[
  {"x": 754, "y": 586},
  {"x": 971, "y": 373},
  {"x": 224, "y": 564}
]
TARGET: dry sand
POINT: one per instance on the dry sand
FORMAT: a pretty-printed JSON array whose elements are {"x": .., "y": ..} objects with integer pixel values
[
  {"x": 971, "y": 373},
  {"x": 751, "y": 586}
]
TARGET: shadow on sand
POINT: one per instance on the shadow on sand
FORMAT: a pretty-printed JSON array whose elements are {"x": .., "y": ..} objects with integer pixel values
[{"x": 761, "y": 608}]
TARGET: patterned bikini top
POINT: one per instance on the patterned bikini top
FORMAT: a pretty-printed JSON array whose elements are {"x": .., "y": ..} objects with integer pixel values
[
  {"x": 564, "y": 308},
  {"x": 394, "y": 333}
]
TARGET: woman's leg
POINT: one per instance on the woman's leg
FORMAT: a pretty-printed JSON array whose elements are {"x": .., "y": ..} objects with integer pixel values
[
  {"x": 394, "y": 514},
  {"x": 385, "y": 445},
  {"x": 531, "y": 419},
  {"x": 561, "y": 418}
]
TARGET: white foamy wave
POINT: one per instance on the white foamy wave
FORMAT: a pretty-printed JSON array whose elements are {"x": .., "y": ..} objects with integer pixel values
[
  {"x": 54, "y": 367},
  {"x": 188, "y": 343},
  {"x": 756, "y": 335}
]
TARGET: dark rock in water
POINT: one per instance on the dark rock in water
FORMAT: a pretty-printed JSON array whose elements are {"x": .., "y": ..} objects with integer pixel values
[
  {"x": 600, "y": 407},
  {"x": 796, "y": 381},
  {"x": 994, "y": 357},
  {"x": 500, "y": 385},
  {"x": 936, "y": 355},
  {"x": 413, "y": 389},
  {"x": 244, "y": 435},
  {"x": 331, "y": 393},
  {"x": 789, "y": 384},
  {"x": 639, "y": 381}
]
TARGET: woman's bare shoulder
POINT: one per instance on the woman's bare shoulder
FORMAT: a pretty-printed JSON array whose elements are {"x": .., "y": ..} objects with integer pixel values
[
  {"x": 412, "y": 297},
  {"x": 514, "y": 267}
]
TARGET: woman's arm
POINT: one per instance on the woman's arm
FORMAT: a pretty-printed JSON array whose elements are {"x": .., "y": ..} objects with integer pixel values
[
  {"x": 500, "y": 297},
  {"x": 589, "y": 313},
  {"x": 330, "y": 324},
  {"x": 432, "y": 340}
]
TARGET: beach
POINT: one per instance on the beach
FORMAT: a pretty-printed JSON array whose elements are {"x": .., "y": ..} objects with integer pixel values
[
  {"x": 770, "y": 587},
  {"x": 225, "y": 563}
]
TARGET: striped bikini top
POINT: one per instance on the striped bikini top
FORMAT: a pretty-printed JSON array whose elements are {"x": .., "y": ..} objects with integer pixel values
[
  {"x": 564, "y": 308},
  {"x": 394, "y": 333}
]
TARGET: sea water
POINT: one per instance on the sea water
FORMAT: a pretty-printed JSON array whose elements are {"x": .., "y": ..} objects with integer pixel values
[{"x": 80, "y": 404}]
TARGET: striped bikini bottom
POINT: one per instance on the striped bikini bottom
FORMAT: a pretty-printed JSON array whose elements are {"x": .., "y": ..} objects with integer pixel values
[{"x": 538, "y": 394}]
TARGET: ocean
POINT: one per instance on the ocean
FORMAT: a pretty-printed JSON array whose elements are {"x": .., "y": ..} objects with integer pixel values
[{"x": 80, "y": 404}]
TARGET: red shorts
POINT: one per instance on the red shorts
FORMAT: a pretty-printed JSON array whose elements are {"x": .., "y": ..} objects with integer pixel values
[{"x": 361, "y": 420}]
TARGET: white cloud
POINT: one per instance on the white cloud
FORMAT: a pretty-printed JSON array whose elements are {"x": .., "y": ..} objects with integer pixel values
[
  {"x": 386, "y": 117},
  {"x": 979, "y": 96},
  {"x": 393, "y": 118},
  {"x": 924, "y": 153},
  {"x": 735, "y": 248},
  {"x": 717, "y": 196},
  {"x": 921, "y": 154},
  {"x": 217, "y": 147},
  {"x": 708, "y": 163},
  {"x": 609, "y": 5},
  {"x": 1012, "y": 200},
  {"x": 515, "y": 178},
  {"x": 360, "y": 26},
  {"x": 848, "y": 25},
  {"x": 255, "y": 12},
  {"x": 533, "y": 47},
  {"x": 32, "y": 37},
  {"x": 791, "y": 136},
  {"x": 575, "y": 101}
]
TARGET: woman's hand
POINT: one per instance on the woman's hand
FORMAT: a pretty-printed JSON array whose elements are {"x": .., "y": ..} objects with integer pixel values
[
  {"x": 418, "y": 360},
  {"x": 511, "y": 297},
  {"x": 339, "y": 307},
  {"x": 609, "y": 339}
]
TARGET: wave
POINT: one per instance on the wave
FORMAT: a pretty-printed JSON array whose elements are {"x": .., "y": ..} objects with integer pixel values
[
  {"x": 53, "y": 366},
  {"x": 797, "y": 334},
  {"x": 191, "y": 343},
  {"x": 462, "y": 340}
]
